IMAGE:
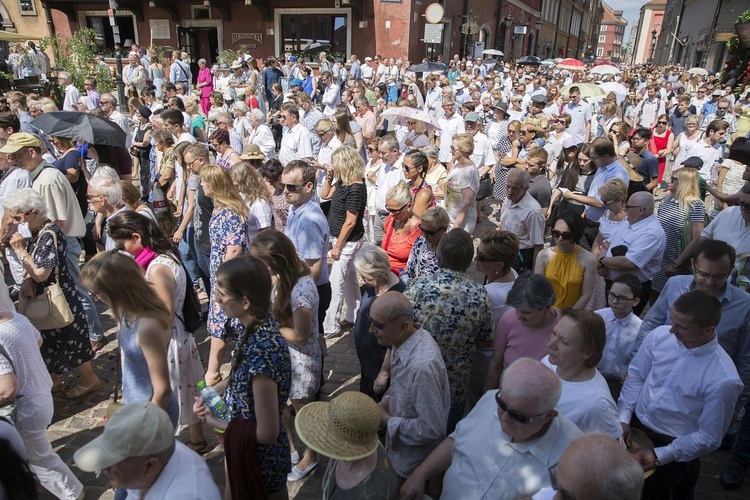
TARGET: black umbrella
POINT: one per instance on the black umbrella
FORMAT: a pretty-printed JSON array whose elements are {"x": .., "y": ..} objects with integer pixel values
[
  {"x": 315, "y": 47},
  {"x": 529, "y": 61},
  {"x": 81, "y": 126},
  {"x": 428, "y": 67}
]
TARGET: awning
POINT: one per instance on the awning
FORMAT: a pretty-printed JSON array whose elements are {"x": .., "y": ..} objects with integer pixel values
[{"x": 7, "y": 36}]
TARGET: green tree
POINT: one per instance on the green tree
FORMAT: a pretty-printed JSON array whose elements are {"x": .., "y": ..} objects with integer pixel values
[{"x": 77, "y": 56}]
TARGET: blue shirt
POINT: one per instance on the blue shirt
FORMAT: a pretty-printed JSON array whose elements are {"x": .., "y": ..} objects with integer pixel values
[
  {"x": 649, "y": 168},
  {"x": 733, "y": 330},
  {"x": 614, "y": 170},
  {"x": 307, "y": 227}
]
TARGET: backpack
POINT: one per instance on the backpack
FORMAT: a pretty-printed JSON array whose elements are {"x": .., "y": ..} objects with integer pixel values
[{"x": 192, "y": 314}]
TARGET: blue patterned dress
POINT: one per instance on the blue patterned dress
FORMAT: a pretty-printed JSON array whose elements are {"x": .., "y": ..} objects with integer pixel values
[
  {"x": 226, "y": 228},
  {"x": 264, "y": 352}
]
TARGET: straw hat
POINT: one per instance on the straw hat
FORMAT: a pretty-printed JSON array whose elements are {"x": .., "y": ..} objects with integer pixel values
[
  {"x": 252, "y": 152},
  {"x": 344, "y": 429}
]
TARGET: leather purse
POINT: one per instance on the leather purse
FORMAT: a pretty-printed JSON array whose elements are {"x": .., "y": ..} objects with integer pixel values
[{"x": 50, "y": 309}]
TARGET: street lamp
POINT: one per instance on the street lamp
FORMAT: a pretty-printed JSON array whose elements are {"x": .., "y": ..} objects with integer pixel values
[
  {"x": 653, "y": 46},
  {"x": 539, "y": 24},
  {"x": 508, "y": 21}
]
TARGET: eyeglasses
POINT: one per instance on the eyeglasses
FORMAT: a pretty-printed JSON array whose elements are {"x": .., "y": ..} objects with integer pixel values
[
  {"x": 397, "y": 210},
  {"x": 92, "y": 197},
  {"x": 722, "y": 109},
  {"x": 372, "y": 150},
  {"x": 566, "y": 235},
  {"x": 189, "y": 164},
  {"x": 292, "y": 188},
  {"x": 628, "y": 207},
  {"x": 381, "y": 324},
  {"x": 19, "y": 218},
  {"x": 512, "y": 414},
  {"x": 663, "y": 123},
  {"x": 743, "y": 204},
  {"x": 618, "y": 299},
  {"x": 321, "y": 134},
  {"x": 708, "y": 276},
  {"x": 483, "y": 258},
  {"x": 564, "y": 494},
  {"x": 428, "y": 232}
]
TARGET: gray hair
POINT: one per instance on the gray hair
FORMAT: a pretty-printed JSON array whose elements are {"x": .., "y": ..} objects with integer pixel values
[
  {"x": 103, "y": 184},
  {"x": 534, "y": 291},
  {"x": 105, "y": 170},
  {"x": 437, "y": 216},
  {"x": 525, "y": 177},
  {"x": 431, "y": 152},
  {"x": 372, "y": 262},
  {"x": 201, "y": 60},
  {"x": 64, "y": 75},
  {"x": 224, "y": 118},
  {"x": 24, "y": 201},
  {"x": 400, "y": 193},
  {"x": 256, "y": 116},
  {"x": 240, "y": 106}
]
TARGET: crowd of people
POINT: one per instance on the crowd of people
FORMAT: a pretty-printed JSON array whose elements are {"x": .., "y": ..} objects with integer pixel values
[{"x": 302, "y": 204}]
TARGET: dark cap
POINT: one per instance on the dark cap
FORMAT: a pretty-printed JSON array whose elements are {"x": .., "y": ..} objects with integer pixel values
[
  {"x": 539, "y": 99},
  {"x": 693, "y": 162},
  {"x": 144, "y": 111},
  {"x": 501, "y": 106}
]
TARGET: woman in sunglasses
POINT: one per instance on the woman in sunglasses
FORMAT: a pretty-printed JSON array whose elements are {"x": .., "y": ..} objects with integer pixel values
[
  {"x": 374, "y": 164},
  {"x": 662, "y": 141},
  {"x": 422, "y": 259},
  {"x": 401, "y": 227},
  {"x": 570, "y": 268}
]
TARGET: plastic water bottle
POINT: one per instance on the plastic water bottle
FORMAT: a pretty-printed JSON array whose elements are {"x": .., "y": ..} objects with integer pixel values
[{"x": 214, "y": 401}]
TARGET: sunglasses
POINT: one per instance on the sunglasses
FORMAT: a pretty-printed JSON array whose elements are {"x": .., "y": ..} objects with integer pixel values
[
  {"x": 512, "y": 414},
  {"x": 564, "y": 494},
  {"x": 292, "y": 188},
  {"x": 397, "y": 210},
  {"x": 663, "y": 123},
  {"x": 381, "y": 324},
  {"x": 427, "y": 232},
  {"x": 566, "y": 235},
  {"x": 483, "y": 258},
  {"x": 371, "y": 150}
]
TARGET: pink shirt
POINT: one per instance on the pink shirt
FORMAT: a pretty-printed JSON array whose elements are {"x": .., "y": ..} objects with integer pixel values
[
  {"x": 204, "y": 75},
  {"x": 514, "y": 341}
]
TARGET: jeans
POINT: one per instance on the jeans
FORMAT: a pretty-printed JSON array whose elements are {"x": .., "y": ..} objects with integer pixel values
[
  {"x": 741, "y": 450},
  {"x": 188, "y": 254},
  {"x": 96, "y": 331},
  {"x": 203, "y": 267},
  {"x": 344, "y": 287},
  {"x": 49, "y": 468}
]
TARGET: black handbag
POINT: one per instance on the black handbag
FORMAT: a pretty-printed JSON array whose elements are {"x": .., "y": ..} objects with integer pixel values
[{"x": 485, "y": 187}]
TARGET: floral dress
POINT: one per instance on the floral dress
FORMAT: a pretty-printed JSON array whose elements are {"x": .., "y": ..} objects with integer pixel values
[
  {"x": 422, "y": 261},
  {"x": 227, "y": 229},
  {"x": 185, "y": 368},
  {"x": 64, "y": 348},
  {"x": 306, "y": 359},
  {"x": 263, "y": 352},
  {"x": 280, "y": 210}
]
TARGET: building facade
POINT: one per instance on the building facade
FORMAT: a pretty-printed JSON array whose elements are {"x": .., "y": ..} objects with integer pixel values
[
  {"x": 649, "y": 27},
  {"x": 568, "y": 28},
  {"x": 610, "y": 36}
]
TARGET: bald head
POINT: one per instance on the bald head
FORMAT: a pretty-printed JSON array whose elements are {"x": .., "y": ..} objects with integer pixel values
[
  {"x": 596, "y": 467},
  {"x": 642, "y": 199},
  {"x": 392, "y": 304},
  {"x": 527, "y": 377}
]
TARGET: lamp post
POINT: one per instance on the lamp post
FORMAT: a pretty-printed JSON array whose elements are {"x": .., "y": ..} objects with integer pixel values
[
  {"x": 508, "y": 20},
  {"x": 653, "y": 46},
  {"x": 538, "y": 28},
  {"x": 118, "y": 54}
]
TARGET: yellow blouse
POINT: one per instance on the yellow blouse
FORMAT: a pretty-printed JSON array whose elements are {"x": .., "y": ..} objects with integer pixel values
[{"x": 566, "y": 275}]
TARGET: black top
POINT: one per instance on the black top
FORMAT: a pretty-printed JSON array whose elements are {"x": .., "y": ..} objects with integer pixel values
[
  {"x": 352, "y": 198},
  {"x": 369, "y": 352},
  {"x": 204, "y": 207}
]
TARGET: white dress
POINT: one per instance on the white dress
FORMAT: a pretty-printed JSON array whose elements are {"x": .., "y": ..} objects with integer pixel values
[
  {"x": 185, "y": 368},
  {"x": 684, "y": 146},
  {"x": 307, "y": 359}
]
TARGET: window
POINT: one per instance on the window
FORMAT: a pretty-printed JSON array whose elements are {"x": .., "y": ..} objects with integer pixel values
[
  {"x": 599, "y": 52},
  {"x": 27, "y": 7},
  {"x": 105, "y": 39},
  {"x": 301, "y": 30},
  {"x": 602, "y": 38},
  {"x": 603, "y": 28}
]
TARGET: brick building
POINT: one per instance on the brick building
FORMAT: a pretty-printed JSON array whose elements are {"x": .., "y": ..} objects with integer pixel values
[{"x": 611, "y": 33}]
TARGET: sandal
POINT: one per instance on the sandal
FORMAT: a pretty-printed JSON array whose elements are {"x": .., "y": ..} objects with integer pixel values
[
  {"x": 200, "y": 447},
  {"x": 57, "y": 388},
  {"x": 79, "y": 391},
  {"x": 98, "y": 345}
]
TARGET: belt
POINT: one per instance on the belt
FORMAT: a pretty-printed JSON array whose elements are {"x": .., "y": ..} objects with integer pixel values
[{"x": 657, "y": 438}]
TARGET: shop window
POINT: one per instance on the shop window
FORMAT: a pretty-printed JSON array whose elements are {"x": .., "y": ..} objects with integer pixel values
[
  {"x": 298, "y": 31},
  {"x": 105, "y": 39}
]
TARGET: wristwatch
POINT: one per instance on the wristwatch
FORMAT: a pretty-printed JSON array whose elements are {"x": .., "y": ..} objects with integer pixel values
[
  {"x": 657, "y": 462},
  {"x": 601, "y": 261}
]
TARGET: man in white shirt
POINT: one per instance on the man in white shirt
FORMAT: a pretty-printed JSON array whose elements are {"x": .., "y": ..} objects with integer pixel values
[
  {"x": 108, "y": 103},
  {"x": 138, "y": 452},
  {"x": 450, "y": 125},
  {"x": 681, "y": 388},
  {"x": 504, "y": 447},
  {"x": 700, "y": 99},
  {"x": 522, "y": 216},
  {"x": 708, "y": 149},
  {"x": 367, "y": 70},
  {"x": 649, "y": 109},
  {"x": 70, "y": 103},
  {"x": 644, "y": 241},
  {"x": 580, "y": 117},
  {"x": 331, "y": 96},
  {"x": 296, "y": 142},
  {"x": 390, "y": 174},
  {"x": 134, "y": 74},
  {"x": 483, "y": 156},
  {"x": 433, "y": 99}
]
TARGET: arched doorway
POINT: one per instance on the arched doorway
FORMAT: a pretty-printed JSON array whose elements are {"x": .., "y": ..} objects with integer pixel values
[
  {"x": 501, "y": 37},
  {"x": 530, "y": 45}
]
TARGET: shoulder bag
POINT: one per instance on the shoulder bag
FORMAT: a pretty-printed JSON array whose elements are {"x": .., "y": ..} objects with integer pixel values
[
  {"x": 49, "y": 310},
  {"x": 8, "y": 410}
]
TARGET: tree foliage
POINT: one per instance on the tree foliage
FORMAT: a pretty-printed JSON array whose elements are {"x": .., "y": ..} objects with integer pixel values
[{"x": 77, "y": 56}]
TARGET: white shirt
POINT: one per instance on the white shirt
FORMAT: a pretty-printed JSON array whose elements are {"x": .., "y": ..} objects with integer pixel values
[
  {"x": 122, "y": 121},
  {"x": 433, "y": 99},
  {"x": 525, "y": 220},
  {"x": 485, "y": 464},
  {"x": 710, "y": 156},
  {"x": 388, "y": 176},
  {"x": 330, "y": 99},
  {"x": 646, "y": 242},
  {"x": 324, "y": 156},
  {"x": 588, "y": 404},
  {"x": 295, "y": 144},
  {"x": 685, "y": 393},
  {"x": 448, "y": 128},
  {"x": 621, "y": 335},
  {"x": 14, "y": 179},
  {"x": 185, "y": 477},
  {"x": 71, "y": 98},
  {"x": 580, "y": 114},
  {"x": 262, "y": 137},
  {"x": 483, "y": 156}
]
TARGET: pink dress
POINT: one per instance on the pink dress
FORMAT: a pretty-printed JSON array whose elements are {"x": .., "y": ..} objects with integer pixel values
[{"x": 204, "y": 75}]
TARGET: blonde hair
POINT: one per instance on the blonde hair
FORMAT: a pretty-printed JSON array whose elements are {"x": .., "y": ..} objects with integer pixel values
[
  {"x": 348, "y": 164},
  {"x": 687, "y": 189},
  {"x": 437, "y": 216},
  {"x": 372, "y": 262},
  {"x": 465, "y": 143},
  {"x": 248, "y": 182},
  {"x": 131, "y": 195},
  {"x": 614, "y": 190},
  {"x": 225, "y": 193},
  {"x": 400, "y": 193}
]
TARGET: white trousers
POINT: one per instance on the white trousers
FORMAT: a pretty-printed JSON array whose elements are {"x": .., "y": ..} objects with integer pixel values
[
  {"x": 344, "y": 287},
  {"x": 49, "y": 468}
]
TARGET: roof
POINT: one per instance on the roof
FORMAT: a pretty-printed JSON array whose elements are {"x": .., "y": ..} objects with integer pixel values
[{"x": 612, "y": 16}]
